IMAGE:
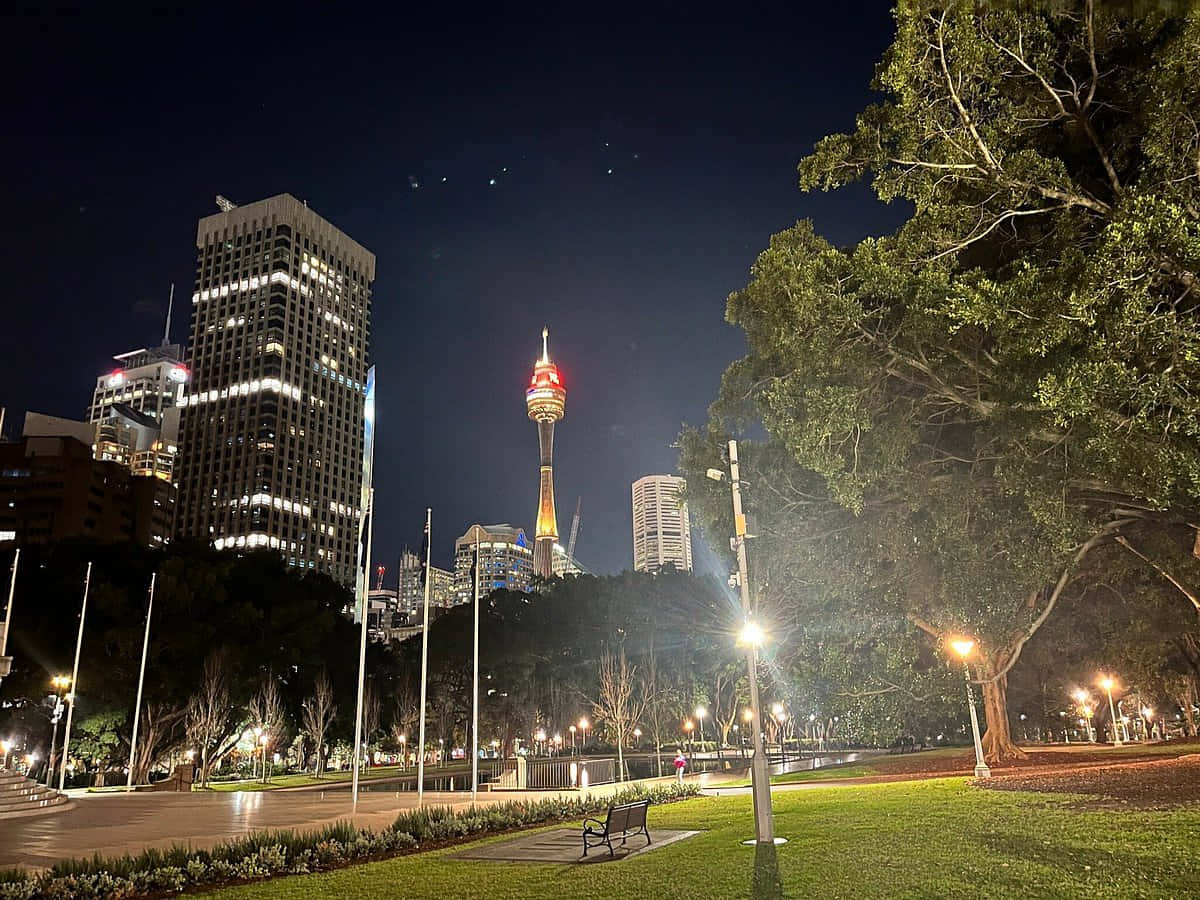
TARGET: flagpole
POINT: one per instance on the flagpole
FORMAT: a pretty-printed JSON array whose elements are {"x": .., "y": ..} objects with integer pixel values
[
  {"x": 137, "y": 708},
  {"x": 475, "y": 685},
  {"x": 362, "y": 651},
  {"x": 74, "y": 695},
  {"x": 5, "y": 662},
  {"x": 424, "y": 660}
]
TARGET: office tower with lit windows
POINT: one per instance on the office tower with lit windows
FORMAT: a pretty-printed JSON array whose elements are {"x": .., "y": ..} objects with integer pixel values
[
  {"x": 546, "y": 401},
  {"x": 505, "y": 561},
  {"x": 662, "y": 534},
  {"x": 135, "y": 410},
  {"x": 271, "y": 433}
]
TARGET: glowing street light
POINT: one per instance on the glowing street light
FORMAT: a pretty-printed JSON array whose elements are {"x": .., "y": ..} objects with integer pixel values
[
  {"x": 637, "y": 737},
  {"x": 583, "y": 725},
  {"x": 1107, "y": 683},
  {"x": 1082, "y": 697},
  {"x": 571, "y": 728},
  {"x": 963, "y": 648},
  {"x": 701, "y": 712},
  {"x": 1147, "y": 715},
  {"x": 752, "y": 635},
  {"x": 61, "y": 684}
]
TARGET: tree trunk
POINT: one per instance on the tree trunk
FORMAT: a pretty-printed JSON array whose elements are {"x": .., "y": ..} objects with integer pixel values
[{"x": 998, "y": 744}]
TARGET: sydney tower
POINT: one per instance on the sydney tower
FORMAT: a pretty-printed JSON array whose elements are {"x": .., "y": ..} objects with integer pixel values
[{"x": 546, "y": 399}]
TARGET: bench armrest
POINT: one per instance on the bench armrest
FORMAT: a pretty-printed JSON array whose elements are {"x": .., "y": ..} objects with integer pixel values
[{"x": 595, "y": 821}]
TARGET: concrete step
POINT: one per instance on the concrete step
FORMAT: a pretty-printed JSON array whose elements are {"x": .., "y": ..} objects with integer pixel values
[{"x": 23, "y": 797}]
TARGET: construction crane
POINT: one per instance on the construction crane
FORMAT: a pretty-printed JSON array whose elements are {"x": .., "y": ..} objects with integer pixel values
[
  {"x": 379, "y": 573},
  {"x": 574, "y": 531}
]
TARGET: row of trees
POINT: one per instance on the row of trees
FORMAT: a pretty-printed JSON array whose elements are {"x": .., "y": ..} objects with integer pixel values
[{"x": 985, "y": 423}]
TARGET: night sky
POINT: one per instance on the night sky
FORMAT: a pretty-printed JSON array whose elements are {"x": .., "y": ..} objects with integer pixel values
[{"x": 614, "y": 182}]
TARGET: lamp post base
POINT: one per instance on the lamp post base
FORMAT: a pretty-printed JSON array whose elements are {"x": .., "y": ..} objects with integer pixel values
[
  {"x": 752, "y": 842},
  {"x": 983, "y": 772}
]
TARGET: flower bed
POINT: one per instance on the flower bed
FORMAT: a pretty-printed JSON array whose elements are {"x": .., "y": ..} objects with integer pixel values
[{"x": 271, "y": 853}]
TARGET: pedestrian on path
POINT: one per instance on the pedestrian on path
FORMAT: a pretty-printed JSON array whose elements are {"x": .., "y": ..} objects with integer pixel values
[{"x": 680, "y": 765}]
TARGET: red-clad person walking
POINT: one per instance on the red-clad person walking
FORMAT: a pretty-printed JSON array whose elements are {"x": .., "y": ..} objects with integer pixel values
[{"x": 680, "y": 765}]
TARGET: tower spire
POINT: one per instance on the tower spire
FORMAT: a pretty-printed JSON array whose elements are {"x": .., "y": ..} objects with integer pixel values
[{"x": 545, "y": 344}]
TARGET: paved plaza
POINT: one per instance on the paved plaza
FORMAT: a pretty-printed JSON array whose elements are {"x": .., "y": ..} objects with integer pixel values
[{"x": 127, "y": 823}]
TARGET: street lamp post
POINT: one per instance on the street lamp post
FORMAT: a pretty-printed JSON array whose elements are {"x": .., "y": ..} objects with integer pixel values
[
  {"x": 1107, "y": 684},
  {"x": 403, "y": 752},
  {"x": 1081, "y": 696},
  {"x": 701, "y": 712},
  {"x": 637, "y": 739},
  {"x": 688, "y": 726},
  {"x": 571, "y": 728},
  {"x": 751, "y": 638},
  {"x": 583, "y": 726},
  {"x": 60, "y": 683},
  {"x": 963, "y": 649}
]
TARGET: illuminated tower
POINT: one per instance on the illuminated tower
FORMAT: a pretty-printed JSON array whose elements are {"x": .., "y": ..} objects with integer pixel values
[{"x": 546, "y": 400}]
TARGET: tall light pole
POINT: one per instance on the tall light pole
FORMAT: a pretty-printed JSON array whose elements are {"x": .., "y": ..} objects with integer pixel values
[
  {"x": 424, "y": 662},
  {"x": 583, "y": 726},
  {"x": 137, "y": 709},
  {"x": 701, "y": 712},
  {"x": 60, "y": 683},
  {"x": 751, "y": 638},
  {"x": 475, "y": 680},
  {"x": 1107, "y": 684},
  {"x": 74, "y": 695},
  {"x": 571, "y": 728},
  {"x": 963, "y": 649}
]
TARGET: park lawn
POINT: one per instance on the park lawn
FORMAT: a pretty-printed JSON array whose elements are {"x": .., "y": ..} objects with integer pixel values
[
  {"x": 286, "y": 781},
  {"x": 940, "y": 838}
]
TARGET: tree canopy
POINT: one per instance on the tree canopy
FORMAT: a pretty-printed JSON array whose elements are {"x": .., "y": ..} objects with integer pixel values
[{"x": 960, "y": 413}]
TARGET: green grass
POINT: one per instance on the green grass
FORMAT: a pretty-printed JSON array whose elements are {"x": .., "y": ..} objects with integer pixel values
[
  {"x": 938, "y": 838},
  {"x": 284, "y": 781}
]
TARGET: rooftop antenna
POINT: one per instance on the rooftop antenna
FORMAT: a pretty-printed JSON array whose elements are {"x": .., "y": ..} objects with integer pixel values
[
  {"x": 167, "y": 327},
  {"x": 545, "y": 345}
]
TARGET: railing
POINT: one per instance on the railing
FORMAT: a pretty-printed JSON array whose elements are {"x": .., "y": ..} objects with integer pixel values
[{"x": 551, "y": 774}]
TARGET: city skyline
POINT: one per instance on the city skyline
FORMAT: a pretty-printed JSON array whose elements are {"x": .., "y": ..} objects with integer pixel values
[{"x": 630, "y": 269}]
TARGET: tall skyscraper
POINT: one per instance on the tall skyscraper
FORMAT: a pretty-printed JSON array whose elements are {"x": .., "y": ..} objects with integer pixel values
[
  {"x": 546, "y": 400},
  {"x": 662, "y": 534},
  {"x": 505, "y": 561},
  {"x": 271, "y": 436}
]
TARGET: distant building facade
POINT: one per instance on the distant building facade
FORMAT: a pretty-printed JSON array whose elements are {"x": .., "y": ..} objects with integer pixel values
[
  {"x": 53, "y": 489},
  {"x": 410, "y": 590},
  {"x": 272, "y": 428},
  {"x": 505, "y": 561},
  {"x": 135, "y": 410},
  {"x": 662, "y": 535}
]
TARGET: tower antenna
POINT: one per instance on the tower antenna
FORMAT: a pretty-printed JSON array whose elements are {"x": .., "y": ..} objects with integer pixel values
[
  {"x": 167, "y": 327},
  {"x": 545, "y": 344}
]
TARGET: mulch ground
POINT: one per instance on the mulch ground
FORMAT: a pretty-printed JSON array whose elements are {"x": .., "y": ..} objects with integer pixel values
[
  {"x": 964, "y": 762},
  {"x": 1155, "y": 784}
]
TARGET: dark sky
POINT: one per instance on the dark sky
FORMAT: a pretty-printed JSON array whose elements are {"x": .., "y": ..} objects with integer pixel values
[{"x": 638, "y": 169}]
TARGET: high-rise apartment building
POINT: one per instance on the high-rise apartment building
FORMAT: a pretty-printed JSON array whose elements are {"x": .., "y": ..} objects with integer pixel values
[
  {"x": 662, "y": 535},
  {"x": 410, "y": 587},
  {"x": 505, "y": 561},
  {"x": 271, "y": 435}
]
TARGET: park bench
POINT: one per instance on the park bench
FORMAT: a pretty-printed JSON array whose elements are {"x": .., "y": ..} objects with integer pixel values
[{"x": 622, "y": 821}]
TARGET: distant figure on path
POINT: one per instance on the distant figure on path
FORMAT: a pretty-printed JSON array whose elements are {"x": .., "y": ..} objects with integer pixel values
[{"x": 680, "y": 765}]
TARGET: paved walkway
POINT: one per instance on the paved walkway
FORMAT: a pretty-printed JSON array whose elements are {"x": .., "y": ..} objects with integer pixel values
[{"x": 117, "y": 823}]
